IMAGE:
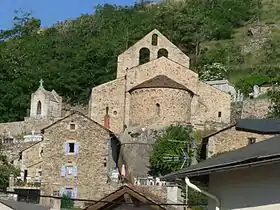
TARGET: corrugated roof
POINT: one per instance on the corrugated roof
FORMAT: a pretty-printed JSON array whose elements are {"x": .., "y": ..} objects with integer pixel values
[
  {"x": 264, "y": 126},
  {"x": 160, "y": 81},
  {"x": 254, "y": 153}
]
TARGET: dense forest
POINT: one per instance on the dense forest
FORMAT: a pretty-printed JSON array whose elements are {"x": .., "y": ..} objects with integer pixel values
[{"x": 76, "y": 55}]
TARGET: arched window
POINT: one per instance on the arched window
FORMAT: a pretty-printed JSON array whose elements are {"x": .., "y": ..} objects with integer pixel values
[
  {"x": 158, "y": 109},
  {"x": 155, "y": 39},
  {"x": 107, "y": 110},
  {"x": 39, "y": 109},
  {"x": 144, "y": 56},
  {"x": 162, "y": 52}
]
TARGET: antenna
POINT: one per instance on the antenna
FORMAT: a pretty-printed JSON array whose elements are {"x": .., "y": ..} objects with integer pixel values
[{"x": 177, "y": 158}]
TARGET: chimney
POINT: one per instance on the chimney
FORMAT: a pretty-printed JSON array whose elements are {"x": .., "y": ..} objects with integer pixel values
[{"x": 107, "y": 121}]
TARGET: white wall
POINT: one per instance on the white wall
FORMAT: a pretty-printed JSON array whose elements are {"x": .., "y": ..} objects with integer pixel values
[{"x": 256, "y": 188}]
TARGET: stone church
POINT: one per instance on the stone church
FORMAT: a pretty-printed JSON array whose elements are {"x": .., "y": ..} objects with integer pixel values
[{"x": 154, "y": 85}]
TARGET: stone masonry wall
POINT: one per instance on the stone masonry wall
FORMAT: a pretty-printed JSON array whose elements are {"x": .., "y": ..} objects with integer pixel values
[
  {"x": 20, "y": 128},
  {"x": 32, "y": 158},
  {"x": 231, "y": 139},
  {"x": 109, "y": 95},
  {"x": 173, "y": 106},
  {"x": 137, "y": 143},
  {"x": 93, "y": 143},
  {"x": 130, "y": 58},
  {"x": 211, "y": 101},
  {"x": 255, "y": 108}
]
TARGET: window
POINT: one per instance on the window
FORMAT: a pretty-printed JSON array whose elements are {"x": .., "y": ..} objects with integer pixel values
[
  {"x": 144, "y": 56},
  {"x": 162, "y": 52},
  {"x": 72, "y": 126},
  {"x": 69, "y": 170},
  {"x": 158, "y": 109},
  {"x": 107, "y": 110},
  {"x": 39, "y": 109},
  {"x": 155, "y": 39},
  {"x": 219, "y": 114},
  {"x": 71, "y": 147},
  {"x": 69, "y": 192},
  {"x": 251, "y": 140}
]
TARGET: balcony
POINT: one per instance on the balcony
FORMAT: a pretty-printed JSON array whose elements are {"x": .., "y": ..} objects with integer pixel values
[{"x": 29, "y": 183}]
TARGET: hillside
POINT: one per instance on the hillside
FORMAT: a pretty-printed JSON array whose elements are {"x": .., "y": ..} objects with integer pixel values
[{"x": 74, "y": 56}]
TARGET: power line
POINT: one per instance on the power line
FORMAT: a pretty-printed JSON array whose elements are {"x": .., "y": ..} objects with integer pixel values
[{"x": 104, "y": 201}]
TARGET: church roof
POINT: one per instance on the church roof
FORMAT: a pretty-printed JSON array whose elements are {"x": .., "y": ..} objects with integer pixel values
[
  {"x": 160, "y": 81},
  {"x": 53, "y": 96}
]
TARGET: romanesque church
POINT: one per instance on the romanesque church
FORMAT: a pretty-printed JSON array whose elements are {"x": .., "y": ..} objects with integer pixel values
[{"x": 153, "y": 89}]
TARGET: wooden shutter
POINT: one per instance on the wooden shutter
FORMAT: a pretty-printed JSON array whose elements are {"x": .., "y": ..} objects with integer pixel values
[
  {"x": 63, "y": 171},
  {"x": 61, "y": 191},
  {"x": 76, "y": 148},
  {"x": 66, "y": 147},
  {"x": 75, "y": 193},
  {"x": 75, "y": 171}
]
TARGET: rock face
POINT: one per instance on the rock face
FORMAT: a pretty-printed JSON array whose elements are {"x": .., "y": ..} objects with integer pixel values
[{"x": 257, "y": 36}]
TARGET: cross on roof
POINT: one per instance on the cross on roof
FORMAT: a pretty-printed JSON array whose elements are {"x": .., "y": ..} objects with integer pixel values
[{"x": 41, "y": 82}]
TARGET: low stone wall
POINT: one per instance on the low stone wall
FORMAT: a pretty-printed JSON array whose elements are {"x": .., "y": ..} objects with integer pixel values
[{"x": 255, "y": 108}]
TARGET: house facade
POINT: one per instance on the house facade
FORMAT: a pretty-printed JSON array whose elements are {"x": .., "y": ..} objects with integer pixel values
[
  {"x": 243, "y": 133},
  {"x": 77, "y": 153}
]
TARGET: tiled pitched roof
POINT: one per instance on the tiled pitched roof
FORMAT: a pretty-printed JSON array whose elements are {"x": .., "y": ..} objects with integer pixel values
[
  {"x": 138, "y": 192},
  {"x": 160, "y": 81}
]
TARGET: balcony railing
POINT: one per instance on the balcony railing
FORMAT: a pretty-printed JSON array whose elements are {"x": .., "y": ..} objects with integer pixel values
[{"x": 27, "y": 184}]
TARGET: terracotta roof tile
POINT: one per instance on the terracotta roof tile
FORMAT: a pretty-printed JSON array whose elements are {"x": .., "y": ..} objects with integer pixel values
[{"x": 160, "y": 81}]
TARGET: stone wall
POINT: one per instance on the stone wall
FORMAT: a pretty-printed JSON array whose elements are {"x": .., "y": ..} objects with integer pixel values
[
  {"x": 137, "y": 143},
  {"x": 212, "y": 105},
  {"x": 231, "y": 139},
  {"x": 20, "y": 128},
  {"x": 109, "y": 95},
  {"x": 12, "y": 150},
  {"x": 255, "y": 108},
  {"x": 159, "y": 105},
  {"x": 130, "y": 58},
  {"x": 93, "y": 141},
  {"x": 32, "y": 159}
]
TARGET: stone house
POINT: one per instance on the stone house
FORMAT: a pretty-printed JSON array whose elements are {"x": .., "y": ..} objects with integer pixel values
[
  {"x": 30, "y": 163},
  {"x": 240, "y": 134},
  {"x": 78, "y": 154},
  {"x": 154, "y": 85}
]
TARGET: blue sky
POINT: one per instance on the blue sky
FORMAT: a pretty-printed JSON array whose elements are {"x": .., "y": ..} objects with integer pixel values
[{"x": 51, "y": 11}]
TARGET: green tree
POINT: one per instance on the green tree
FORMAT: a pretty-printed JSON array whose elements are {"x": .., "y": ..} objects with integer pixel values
[
  {"x": 174, "y": 139},
  {"x": 74, "y": 56},
  {"x": 6, "y": 169},
  {"x": 66, "y": 202},
  {"x": 274, "y": 95}
]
